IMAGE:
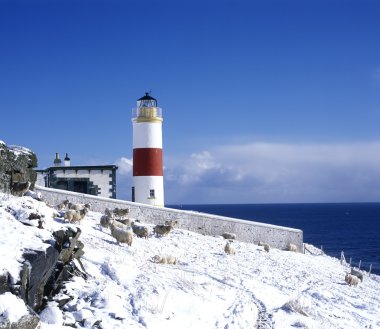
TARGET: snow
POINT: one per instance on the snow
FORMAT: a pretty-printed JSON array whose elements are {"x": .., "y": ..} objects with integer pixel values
[
  {"x": 206, "y": 289},
  {"x": 12, "y": 307},
  {"x": 51, "y": 314},
  {"x": 19, "y": 149}
]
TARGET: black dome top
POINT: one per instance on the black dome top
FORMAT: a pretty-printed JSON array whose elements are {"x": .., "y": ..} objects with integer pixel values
[{"x": 147, "y": 97}]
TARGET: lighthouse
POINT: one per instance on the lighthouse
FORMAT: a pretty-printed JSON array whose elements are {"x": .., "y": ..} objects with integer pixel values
[{"x": 148, "y": 181}]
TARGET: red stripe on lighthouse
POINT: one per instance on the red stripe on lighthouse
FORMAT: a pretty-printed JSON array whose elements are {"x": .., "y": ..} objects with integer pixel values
[{"x": 147, "y": 162}]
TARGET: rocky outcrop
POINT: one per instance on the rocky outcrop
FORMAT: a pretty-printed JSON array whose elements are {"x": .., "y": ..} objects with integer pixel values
[
  {"x": 43, "y": 274},
  {"x": 16, "y": 169},
  {"x": 37, "y": 269}
]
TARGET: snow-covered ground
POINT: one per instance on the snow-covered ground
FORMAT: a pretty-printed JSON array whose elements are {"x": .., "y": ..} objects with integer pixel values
[{"x": 206, "y": 289}]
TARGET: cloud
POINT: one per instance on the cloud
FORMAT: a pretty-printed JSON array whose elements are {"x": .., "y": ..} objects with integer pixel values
[
  {"x": 269, "y": 172},
  {"x": 124, "y": 166},
  {"x": 124, "y": 178}
]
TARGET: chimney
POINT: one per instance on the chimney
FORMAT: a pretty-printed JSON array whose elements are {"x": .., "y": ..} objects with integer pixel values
[
  {"x": 57, "y": 160},
  {"x": 67, "y": 160}
]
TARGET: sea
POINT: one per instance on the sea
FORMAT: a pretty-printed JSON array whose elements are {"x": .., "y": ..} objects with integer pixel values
[{"x": 353, "y": 228}]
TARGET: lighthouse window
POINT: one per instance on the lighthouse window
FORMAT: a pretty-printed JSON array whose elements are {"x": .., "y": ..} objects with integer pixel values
[{"x": 151, "y": 194}]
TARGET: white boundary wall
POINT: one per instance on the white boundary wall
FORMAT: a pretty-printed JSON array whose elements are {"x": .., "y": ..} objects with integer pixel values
[{"x": 246, "y": 231}]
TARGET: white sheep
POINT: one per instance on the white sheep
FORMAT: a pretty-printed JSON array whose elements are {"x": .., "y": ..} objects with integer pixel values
[
  {"x": 122, "y": 233},
  {"x": 165, "y": 259},
  {"x": 140, "y": 230},
  {"x": 229, "y": 236},
  {"x": 228, "y": 249},
  {"x": 105, "y": 221},
  {"x": 121, "y": 213},
  {"x": 78, "y": 206},
  {"x": 265, "y": 245},
  {"x": 74, "y": 216},
  {"x": 351, "y": 280},
  {"x": 162, "y": 229},
  {"x": 292, "y": 247},
  {"x": 357, "y": 273},
  {"x": 63, "y": 205},
  {"x": 172, "y": 223}
]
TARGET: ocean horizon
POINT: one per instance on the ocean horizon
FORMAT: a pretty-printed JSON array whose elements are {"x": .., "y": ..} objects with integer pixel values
[{"x": 353, "y": 228}]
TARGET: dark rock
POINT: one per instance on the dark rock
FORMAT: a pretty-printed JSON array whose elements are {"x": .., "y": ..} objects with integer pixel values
[
  {"x": 4, "y": 283},
  {"x": 34, "y": 215},
  {"x": 66, "y": 242},
  {"x": 37, "y": 269},
  {"x": 62, "y": 300},
  {"x": 16, "y": 169},
  {"x": 4, "y": 323}
]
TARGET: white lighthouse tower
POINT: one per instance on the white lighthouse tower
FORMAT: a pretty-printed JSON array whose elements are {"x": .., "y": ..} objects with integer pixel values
[{"x": 148, "y": 181}]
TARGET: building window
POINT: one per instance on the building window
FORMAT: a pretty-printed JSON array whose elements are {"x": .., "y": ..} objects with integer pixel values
[
  {"x": 151, "y": 194},
  {"x": 133, "y": 194}
]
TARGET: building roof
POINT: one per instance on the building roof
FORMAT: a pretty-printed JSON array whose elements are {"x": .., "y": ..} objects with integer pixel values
[
  {"x": 101, "y": 167},
  {"x": 147, "y": 97}
]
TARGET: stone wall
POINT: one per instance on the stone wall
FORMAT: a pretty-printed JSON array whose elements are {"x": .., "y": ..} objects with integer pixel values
[
  {"x": 208, "y": 224},
  {"x": 16, "y": 168}
]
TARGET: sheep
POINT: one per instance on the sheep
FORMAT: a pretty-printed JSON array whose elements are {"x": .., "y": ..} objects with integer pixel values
[
  {"x": 162, "y": 229},
  {"x": 63, "y": 205},
  {"x": 125, "y": 221},
  {"x": 172, "y": 223},
  {"x": 140, "y": 230},
  {"x": 105, "y": 221},
  {"x": 351, "y": 280},
  {"x": 292, "y": 247},
  {"x": 74, "y": 215},
  {"x": 228, "y": 249},
  {"x": 121, "y": 233},
  {"x": 165, "y": 260},
  {"x": 265, "y": 245},
  {"x": 357, "y": 273},
  {"x": 78, "y": 206},
  {"x": 123, "y": 213},
  {"x": 229, "y": 236}
]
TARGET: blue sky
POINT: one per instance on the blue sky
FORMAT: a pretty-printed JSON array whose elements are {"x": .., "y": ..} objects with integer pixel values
[{"x": 263, "y": 101}]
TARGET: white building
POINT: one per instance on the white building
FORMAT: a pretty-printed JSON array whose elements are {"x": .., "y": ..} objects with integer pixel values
[{"x": 94, "y": 180}]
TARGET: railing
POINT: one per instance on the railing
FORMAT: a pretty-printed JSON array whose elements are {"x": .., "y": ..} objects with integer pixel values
[{"x": 147, "y": 112}]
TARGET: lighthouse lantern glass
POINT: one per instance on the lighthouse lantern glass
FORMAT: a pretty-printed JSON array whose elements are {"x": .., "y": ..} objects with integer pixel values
[{"x": 146, "y": 103}]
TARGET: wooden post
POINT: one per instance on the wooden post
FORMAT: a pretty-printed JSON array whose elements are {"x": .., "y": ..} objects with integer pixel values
[
  {"x": 350, "y": 261},
  {"x": 370, "y": 269},
  {"x": 360, "y": 264}
]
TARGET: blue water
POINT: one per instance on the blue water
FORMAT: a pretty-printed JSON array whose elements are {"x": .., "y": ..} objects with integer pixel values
[{"x": 350, "y": 227}]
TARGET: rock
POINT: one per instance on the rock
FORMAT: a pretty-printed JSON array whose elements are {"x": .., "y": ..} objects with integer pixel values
[
  {"x": 4, "y": 323},
  {"x": 29, "y": 321},
  {"x": 66, "y": 242},
  {"x": 38, "y": 267},
  {"x": 16, "y": 169},
  {"x": 4, "y": 283},
  {"x": 34, "y": 215},
  {"x": 229, "y": 236}
]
